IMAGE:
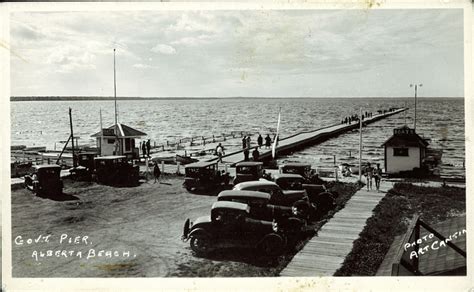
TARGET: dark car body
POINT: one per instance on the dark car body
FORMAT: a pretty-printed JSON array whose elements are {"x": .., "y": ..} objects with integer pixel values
[
  {"x": 317, "y": 193},
  {"x": 278, "y": 196},
  {"x": 230, "y": 225},
  {"x": 116, "y": 171},
  {"x": 45, "y": 180},
  {"x": 248, "y": 171},
  {"x": 291, "y": 219},
  {"x": 302, "y": 169},
  {"x": 204, "y": 176},
  {"x": 85, "y": 166}
]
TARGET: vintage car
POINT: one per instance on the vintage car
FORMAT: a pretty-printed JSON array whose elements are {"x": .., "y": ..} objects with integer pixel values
[
  {"x": 292, "y": 219},
  {"x": 317, "y": 193},
  {"x": 116, "y": 171},
  {"x": 201, "y": 176},
  {"x": 45, "y": 180},
  {"x": 230, "y": 225},
  {"x": 302, "y": 169},
  {"x": 85, "y": 166},
  {"x": 248, "y": 171}
]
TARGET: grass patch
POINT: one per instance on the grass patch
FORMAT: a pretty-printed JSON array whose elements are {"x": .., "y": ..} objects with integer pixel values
[{"x": 391, "y": 217}]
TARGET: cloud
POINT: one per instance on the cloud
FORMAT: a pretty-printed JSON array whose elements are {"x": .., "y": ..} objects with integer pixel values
[{"x": 164, "y": 49}]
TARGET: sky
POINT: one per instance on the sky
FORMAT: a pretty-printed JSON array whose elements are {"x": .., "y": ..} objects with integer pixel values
[{"x": 230, "y": 53}]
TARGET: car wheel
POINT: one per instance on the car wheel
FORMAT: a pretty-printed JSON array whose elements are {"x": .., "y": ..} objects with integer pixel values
[
  {"x": 272, "y": 245},
  {"x": 201, "y": 244}
]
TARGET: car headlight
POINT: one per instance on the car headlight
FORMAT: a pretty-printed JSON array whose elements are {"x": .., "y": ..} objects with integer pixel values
[
  {"x": 275, "y": 226},
  {"x": 294, "y": 210}
]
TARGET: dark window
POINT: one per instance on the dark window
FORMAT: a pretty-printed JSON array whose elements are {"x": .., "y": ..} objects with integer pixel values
[
  {"x": 110, "y": 141},
  {"x": 127, "y": 144},
  {"x": 400, "y": 151}
]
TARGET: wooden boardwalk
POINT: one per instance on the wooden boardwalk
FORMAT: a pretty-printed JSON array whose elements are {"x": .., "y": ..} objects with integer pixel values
[
  {"x": 301, "y": 140},
  {"x": 324, "y": 254}
]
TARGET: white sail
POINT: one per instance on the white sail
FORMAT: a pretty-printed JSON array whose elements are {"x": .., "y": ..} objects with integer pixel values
[{"x": 275, "y": 142}]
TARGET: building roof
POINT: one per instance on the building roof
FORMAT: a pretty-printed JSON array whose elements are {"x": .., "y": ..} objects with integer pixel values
[
  {"x": 123, "y": 131},
  {"x": 407, "y": 137}
]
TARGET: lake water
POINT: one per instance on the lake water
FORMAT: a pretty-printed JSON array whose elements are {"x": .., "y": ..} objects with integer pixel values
[{"x": 43, "y": 123}]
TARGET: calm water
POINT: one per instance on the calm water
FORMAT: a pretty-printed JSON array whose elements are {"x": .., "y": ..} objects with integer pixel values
[{"x": 42, "y": 123}]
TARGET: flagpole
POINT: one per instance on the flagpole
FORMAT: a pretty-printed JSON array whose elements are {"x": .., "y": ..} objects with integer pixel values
[{"x": 360, "y": 145}]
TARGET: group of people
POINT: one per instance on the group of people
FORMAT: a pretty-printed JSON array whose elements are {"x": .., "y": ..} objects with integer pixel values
[
  {"x": 246, "y": 141},
  {"x": 246, "y": 146},
  {"x": 355, "y": 118},
  {"x": 146, "y": 146},
  {"x": 371, "y": 173}
]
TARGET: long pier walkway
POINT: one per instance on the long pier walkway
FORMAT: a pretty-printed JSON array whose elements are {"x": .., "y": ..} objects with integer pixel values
[
  {"x": 304, "y": 139},
  {"x": 324, "y": 254}
]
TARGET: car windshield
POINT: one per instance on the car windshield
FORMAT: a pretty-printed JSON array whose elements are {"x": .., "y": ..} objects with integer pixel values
[
  {"x": 247, "y": 170},
  {"x": 290, "y": 183},
  {"x": 198, "y": 171}
]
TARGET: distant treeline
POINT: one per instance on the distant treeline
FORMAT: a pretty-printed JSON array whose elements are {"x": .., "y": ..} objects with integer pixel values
[{"x": 65, "y": 98}]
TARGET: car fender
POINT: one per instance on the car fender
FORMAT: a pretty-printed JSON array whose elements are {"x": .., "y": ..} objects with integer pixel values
[{"x": 200, "y": 231}]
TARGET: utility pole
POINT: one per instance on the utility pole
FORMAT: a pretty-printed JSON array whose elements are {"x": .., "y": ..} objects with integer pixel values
[
  {"x": 72, "y": 139},
  {"x": 416, "y": 92}
]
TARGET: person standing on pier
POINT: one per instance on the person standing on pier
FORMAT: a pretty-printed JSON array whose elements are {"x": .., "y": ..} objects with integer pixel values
[
  {"x": 246, "y": 154},
  {"x": 156, "y": 172},
  {"x": 369, "y": 174},
  {"x": 144, "y": 149},
  {"x": 244, "y": 142},
  {"x": 260, "y": 140},
  {"x": 377, "y": 176},
  {"x": 220, "y": 152},
  {"x": 248, "y": 141},
  {"x": 268, "y": 141},
  {"x": 148, "y": 147},
  {"x": 255, "y": 154}
]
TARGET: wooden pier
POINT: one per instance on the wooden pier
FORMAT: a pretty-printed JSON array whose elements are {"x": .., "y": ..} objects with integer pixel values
[
  {"x": 304, "y": 139},
  {"x": 324, "y": 254}
]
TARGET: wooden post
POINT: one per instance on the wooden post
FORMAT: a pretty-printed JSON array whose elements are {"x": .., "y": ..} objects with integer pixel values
[
  {"x": 162, "y": 166},
  {"x": 213, "y": 139},
  {"x": 177, "y": 170},
  {"x": 223, "y": 135},
  {"x": 191, "y": 144},
  {"x": 163, "y": 147}
]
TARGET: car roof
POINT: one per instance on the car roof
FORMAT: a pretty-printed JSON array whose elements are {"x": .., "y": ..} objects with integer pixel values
[
  {"x": 42, "y": 166},
  {"x": 201, "y": 164},
  {"x": 249, "y": 163},
  {"x": 248, "y": 194},
  {"x": 254, "y": 183},
  {"x": 111, "y": 157},
  {"x": 231, "y": 205},
  {"x": 297, "y": 164},
  {"x": 287, "y": 175}
]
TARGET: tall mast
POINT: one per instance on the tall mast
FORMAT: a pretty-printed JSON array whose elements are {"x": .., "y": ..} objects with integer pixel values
[
  {"x": 115, "y": 103},
  {"x": 115, "y": 93},
  {"x": 360, "y": 144}
]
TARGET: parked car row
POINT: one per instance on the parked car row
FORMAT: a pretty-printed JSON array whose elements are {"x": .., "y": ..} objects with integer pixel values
[
  {"x": 257, "y": 214},
  {"x": 45, "y": 180}
]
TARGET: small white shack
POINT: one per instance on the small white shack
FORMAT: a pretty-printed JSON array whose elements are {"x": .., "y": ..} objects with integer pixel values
[
  {"x": 404, "y": 151},
  {"x": 122, "y": 143}
]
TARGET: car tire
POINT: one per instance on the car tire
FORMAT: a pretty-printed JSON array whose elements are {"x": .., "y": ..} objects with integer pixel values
[
  {"x": 200, "y": 244},
  {"x": 272, "y": 245}
]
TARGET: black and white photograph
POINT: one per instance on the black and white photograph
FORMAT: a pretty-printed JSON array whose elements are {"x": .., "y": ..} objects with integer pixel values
[{"x": 225, "y": 141}]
